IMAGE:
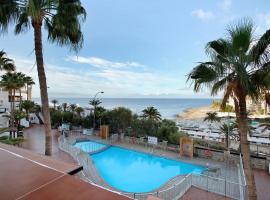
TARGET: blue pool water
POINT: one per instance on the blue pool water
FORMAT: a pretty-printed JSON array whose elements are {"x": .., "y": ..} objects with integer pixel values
[
  {"x": 132, "y": 171},
  {"x": 89, "y": 146}
]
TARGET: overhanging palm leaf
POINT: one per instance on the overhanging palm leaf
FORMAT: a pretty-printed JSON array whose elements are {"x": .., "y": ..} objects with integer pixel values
[
  {"x": 6, "y": 63},
  {"x": 61, "y": 19}
]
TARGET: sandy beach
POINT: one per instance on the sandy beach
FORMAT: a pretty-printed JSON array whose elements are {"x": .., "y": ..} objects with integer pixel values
[{"x": 195, "y": 113}]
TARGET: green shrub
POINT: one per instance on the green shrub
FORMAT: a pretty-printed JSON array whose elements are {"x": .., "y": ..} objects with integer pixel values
[
  {"x": 4, "y": 137},
  {"x": 13, "y": 141}
]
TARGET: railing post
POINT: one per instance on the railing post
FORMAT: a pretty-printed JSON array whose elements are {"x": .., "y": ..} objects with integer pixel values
[{"x": 207, "y": 181}]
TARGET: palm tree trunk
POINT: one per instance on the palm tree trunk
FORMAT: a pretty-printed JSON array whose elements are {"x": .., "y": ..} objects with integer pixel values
[
  {"x": 43, "y": 86},
  {"x": 27, "y": 95},
  {"x": 20, "y": 92},
  {"x": 11, "y": 107},
  {"x": 245, "y": 150},
  {"x": 13, "y": 113}
]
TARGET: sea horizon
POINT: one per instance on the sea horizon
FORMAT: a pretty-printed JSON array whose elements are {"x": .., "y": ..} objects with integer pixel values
[{"x": 168, "y": 107}]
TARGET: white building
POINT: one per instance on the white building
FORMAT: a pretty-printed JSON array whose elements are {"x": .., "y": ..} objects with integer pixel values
[
  {"x": 5, "y": 98},
  {"x": 5, "y": 104}
]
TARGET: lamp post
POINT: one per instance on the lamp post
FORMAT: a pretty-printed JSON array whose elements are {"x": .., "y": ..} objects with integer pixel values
[{"x": 94, "y": 121}]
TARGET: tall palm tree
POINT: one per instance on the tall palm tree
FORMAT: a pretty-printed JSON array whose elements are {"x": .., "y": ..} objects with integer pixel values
[
  {"x": 28, "y": 82},
  {"x": 6, "y": 63},
  {"x": 27, "y": 106},
  {"x": 94, "y": 102},
  {"x": 72, "y": 107},
  {"x": 240, "y": 68},
  {"x": 21, "y": 83},
  {"x": 61, "y": 18},
  {"x": 79, "y": 110},
  {"x": 64, "y": 106},
  {"x": 54, "y": 102},
  {"x": 151, "y": 113},
  {"x": 11, "y": 82},
  {"x": 228, "y": 131}
]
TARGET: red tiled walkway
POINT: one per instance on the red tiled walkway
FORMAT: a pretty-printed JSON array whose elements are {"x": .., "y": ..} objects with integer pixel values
[
  {"x": 197, "y": 194},
  {"x": 262, "y": 179},
  {"x": 26, "y": 178}
]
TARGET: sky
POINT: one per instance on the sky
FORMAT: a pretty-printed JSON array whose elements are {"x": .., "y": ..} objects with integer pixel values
[{"x": 135, "y": 48}]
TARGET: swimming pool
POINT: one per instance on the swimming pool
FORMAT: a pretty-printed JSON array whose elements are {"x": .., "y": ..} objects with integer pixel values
[
  {"x": 89, "y": 146},
  {"x": 133, "y": 171}
]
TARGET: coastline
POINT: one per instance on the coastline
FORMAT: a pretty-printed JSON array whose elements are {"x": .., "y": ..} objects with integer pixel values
[{"x": 195, "y": 113}]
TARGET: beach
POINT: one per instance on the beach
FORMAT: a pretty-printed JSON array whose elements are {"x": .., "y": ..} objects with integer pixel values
[{"x": 195, "y": 113}]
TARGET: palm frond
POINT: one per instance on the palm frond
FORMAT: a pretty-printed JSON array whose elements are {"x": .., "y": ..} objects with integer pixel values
[
  {"x": 23, "y": 24},
  {"x": 218, "y": 47},
  {"x": 260, "y": 51},
  {"x": 241, "y": 35},
  {"x": 203, "y": 74},
  {"x": 64, "y": 27},
  {"x": 9, "y": 14}
]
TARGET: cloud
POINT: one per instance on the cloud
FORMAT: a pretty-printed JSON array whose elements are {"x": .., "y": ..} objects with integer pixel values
[
  {"x": 226, "y": 4},
  {"x": 67, "y": 81},
  {"x": 203, "y": 15},
  {"x": 103, "y": 63}
]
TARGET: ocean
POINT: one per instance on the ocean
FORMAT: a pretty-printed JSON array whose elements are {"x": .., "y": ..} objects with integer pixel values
[{"x": 168, "y": 108}]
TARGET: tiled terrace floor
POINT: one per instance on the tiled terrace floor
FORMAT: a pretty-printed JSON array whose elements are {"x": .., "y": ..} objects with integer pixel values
[
  {"x": 35, "y": 141},
  {"x": 197, "y": 194},
  {"x": 27, "y": 175}
]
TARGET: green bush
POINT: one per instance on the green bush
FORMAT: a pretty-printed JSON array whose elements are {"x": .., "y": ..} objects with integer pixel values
[
  {"x": 56, "y": 117},
  {"x": 4, "y": 137},
  {"x": 174, "y": 138},
  {"x": 166, "y": 129},
  {"x": 87, "y": 122},
  {"x": 14, "y": 141}
]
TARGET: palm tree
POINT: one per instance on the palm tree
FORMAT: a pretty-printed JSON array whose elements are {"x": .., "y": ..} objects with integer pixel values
[
  {"x": 29, "y": 82},
  {"x": 72, "y": 107},
  {"x": 6, "y": 63},
  {"x": 240, "y": 68},
  {"x": 79, "y": 110},
  {"x": 18, "y": 115},
  {"x": 62, "y": 21},
  {"x": 228, "y": 131},
  {"x": 212, "y": 117},
  {"x": 54, "y": 102},
  {"x": 27, "y": 106},
  {"x": 151, "y": 113},
  {"x": 95, "y": 102},
  {"x": 21, "y": 83},
  {"x": 11, "y": 82},
  {"x": 59, "y": 108},
  {"x": 64, "y": 106}
]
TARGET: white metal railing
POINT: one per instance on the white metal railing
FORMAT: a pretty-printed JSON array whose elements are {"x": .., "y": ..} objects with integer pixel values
[
  {"x": 242, "y": 179},
  {"x": 217, "y": 185},
  {"x": 175, "y": 191}
]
